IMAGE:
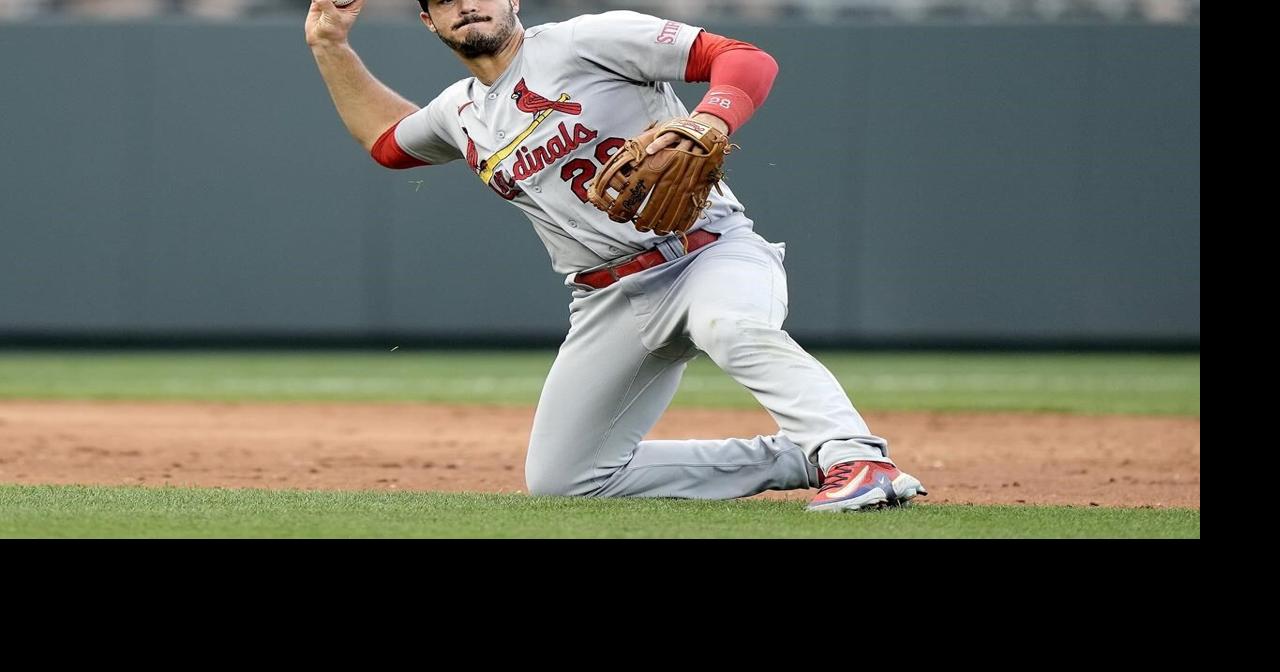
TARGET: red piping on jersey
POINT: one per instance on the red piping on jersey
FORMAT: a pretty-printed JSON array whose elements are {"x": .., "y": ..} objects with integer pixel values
[
  {"x": 741, "y": 75},
  {"x": 387, "y": 151}
]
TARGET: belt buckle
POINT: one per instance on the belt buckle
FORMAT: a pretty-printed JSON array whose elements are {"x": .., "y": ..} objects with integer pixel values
[{"x": 613, "y": 265}]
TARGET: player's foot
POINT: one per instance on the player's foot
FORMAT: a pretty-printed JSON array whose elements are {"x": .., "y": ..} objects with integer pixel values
[{"x": 852, "y": 486}]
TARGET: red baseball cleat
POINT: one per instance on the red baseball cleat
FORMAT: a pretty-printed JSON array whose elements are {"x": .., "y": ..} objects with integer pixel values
[{"x": 851, "y": 486}]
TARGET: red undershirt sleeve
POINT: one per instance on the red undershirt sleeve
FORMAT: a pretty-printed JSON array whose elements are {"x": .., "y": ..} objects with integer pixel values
[{"x": 741, "y": 76}]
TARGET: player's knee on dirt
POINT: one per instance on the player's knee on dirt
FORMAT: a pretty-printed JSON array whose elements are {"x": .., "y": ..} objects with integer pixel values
[{"x": 545, "y": 477}]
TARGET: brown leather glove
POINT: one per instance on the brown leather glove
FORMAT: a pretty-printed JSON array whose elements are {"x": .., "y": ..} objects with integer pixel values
[{"x": 666, "y": 192}]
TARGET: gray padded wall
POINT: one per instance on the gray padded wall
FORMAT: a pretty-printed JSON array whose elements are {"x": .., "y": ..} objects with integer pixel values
[{"x": 934, "y": 183}]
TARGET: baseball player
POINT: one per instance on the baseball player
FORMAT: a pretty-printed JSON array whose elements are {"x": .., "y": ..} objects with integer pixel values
[{"x": 543, "y": 110}]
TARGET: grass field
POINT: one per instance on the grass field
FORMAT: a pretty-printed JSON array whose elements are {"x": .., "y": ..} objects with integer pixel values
[
  {"x": 1074, "y": 383},
  {"x": 95, "y": 512},
  {"x": 1079, "y": 383}
]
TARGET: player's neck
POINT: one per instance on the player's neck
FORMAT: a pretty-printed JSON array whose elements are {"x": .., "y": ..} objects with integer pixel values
[{"x": 490, "y": 67}]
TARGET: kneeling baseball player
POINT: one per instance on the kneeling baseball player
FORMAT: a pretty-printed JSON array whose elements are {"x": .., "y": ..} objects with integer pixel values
[{"x": 575, "y": 124}]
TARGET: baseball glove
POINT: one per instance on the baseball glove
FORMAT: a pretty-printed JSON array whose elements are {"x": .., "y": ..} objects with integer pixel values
[{"x": 667, "y": 191}]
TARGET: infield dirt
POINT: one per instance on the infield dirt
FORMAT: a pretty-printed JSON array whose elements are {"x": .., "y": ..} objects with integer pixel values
[{"x": 976, "y": 458}]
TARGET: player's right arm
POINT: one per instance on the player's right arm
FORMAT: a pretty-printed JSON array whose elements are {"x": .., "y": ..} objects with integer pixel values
[{"x": 367, "y": 106}]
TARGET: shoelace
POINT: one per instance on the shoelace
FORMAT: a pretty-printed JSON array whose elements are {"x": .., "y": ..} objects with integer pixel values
[{"x": 837, "y": 477}]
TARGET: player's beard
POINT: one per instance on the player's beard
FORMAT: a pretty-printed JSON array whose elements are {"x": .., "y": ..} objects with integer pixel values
[{"x": 477, "y": 43}]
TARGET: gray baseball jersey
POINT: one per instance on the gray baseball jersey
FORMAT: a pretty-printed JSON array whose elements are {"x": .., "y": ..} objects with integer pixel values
[
  {"x": 573, "y": 95},
  {"x": 537, "y": 136}
]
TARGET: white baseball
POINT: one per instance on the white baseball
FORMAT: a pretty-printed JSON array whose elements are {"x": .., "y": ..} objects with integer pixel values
[{"x": 342, "y": 3}]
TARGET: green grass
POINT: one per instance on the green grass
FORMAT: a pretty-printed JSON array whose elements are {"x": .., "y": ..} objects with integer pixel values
[
  {"x": 1074, "y": 383},
  {"x": 46, "y": 511}
]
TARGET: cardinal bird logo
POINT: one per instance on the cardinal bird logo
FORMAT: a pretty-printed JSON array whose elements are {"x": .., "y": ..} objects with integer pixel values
[
  {"x": 539, "y": 157},
  {"x": 529, "y": 101}
]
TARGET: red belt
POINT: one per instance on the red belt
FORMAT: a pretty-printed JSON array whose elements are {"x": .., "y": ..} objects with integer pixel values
[{"x": 643, "y": 261}]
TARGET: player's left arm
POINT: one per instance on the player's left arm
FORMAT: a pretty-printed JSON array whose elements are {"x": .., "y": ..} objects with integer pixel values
[{"x": 741, "y": 76}]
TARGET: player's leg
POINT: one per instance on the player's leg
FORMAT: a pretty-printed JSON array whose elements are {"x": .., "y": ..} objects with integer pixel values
[
  {"x": 734, "y": 295},
  {"x": 711, "y": 469},
  {"x": 605, "y": 391},
  {"x": 735, "y": 298}
]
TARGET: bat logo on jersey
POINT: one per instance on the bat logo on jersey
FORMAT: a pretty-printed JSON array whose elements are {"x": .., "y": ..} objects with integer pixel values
[
  {"x": 529, "y": 101},
  {"x": 530, "y": 162}
]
